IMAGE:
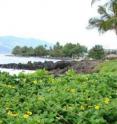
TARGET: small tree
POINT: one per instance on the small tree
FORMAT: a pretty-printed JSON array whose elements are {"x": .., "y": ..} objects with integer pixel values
[
  {"x": 74, "y": 50},
  {"x": 97, "y": 52},
  {"x": 56, "y": 51},
  {"x": 40, "y": 51},
  {"x": 16, "y": 50}
]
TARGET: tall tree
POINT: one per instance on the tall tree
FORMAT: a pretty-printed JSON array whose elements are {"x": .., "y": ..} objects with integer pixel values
[
  {"x": 97, "y": 52},
  {"x": 108, "y": 17},
  {"x": 40, "y": 51},
  {"x": 56, "y": 51},
  {"x": 16, "y": 50}
]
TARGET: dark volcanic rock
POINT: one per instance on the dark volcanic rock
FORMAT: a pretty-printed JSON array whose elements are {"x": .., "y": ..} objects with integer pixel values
[
  {"x": 62, "y": 64},
  {"x": 85, "y": 66},
  {"x": 60, "y": 67},
  {"x": 48, "y": 65}
]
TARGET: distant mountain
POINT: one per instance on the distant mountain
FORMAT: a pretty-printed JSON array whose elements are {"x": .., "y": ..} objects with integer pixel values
[{"x": 7, "y": 43}]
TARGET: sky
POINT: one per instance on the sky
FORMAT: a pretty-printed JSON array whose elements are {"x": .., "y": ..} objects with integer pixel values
[{"x": 53, "y": 20}]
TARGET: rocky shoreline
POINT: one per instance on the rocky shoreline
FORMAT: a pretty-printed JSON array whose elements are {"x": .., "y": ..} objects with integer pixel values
[
  {"x": 57, "y": 68},
  {"x": 48, "y": 65}
]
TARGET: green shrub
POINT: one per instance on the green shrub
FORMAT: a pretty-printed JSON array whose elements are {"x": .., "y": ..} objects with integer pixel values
[
  {"x": 72, "y": 98},
  {"x": 97, "y": 52}
]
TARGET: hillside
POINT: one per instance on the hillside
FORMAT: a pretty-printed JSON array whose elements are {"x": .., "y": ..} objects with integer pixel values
[{"x": 7, "y": 43}]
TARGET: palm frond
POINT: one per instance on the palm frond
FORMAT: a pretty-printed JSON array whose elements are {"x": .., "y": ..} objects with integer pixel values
[
  {"x": 94, "y": 23},
  {"x": 107, "y": 19},
  {"x": 103, "y": 12},
  {"x": 103, "y": 25},
  {"x": 93, "y": 1},
  {"x": 113, "y": 7}
]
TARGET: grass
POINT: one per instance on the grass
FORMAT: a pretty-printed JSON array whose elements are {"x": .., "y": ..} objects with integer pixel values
[{"x": 109, "y": 66}]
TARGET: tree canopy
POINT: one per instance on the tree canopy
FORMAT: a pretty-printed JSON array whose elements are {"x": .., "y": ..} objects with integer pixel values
[
  {"x": 68, "y": 50},
  {"x": 97, "y": 52},
  {"x": 107, "y": 19}
]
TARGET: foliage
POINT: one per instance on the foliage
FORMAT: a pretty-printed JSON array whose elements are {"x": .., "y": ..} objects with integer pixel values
[
  {"x": 29, "y": 51},
  {"x": 72, "y": 50},
  {"x": 72, "y": 98},
  {"x": 40, "y": 51},
  {"x": 56, "y": 51},
  {"x": 109, "y": 66},
  {"x": 68, "y": 50},
  {"x": 97, "y": 52},
  {"x": 108, "y": 17}
]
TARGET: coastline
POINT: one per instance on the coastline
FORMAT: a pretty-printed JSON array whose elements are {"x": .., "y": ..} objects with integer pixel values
[{"x": 57, "y": 68}]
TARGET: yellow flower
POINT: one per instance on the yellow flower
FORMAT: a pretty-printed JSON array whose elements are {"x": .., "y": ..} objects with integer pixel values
[
  {"x": 35, "y": 82},
  {"x": 73, "y": 90},
  {"x": 97, "y": 107},
  {"x": 29, "y": 113},
  {"x": 40, "y": 98},
  {"x": 9, "y": 113},
  {"x": 13, "y": 114},
  {"x": 25, "y": 116},
  {"x": 82, "y": 107},
  {"x": 106, "y": 100}
]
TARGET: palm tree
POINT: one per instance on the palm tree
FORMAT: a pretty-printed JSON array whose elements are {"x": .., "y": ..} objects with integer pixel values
[
  {"x": 108, "y": 17},
  {"x": 93, "y": 1}
]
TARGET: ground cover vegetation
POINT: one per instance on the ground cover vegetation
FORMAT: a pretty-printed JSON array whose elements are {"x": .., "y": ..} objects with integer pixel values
[
  {"x": 109, "y": 66},
  {"x": 72, "y": 98}
]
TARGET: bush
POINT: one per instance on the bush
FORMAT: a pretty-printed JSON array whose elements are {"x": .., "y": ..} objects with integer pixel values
[
  {"x": 40, "y": 98},
  {"x": 97, "y": 52}
]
